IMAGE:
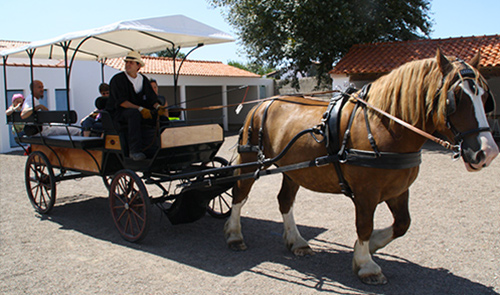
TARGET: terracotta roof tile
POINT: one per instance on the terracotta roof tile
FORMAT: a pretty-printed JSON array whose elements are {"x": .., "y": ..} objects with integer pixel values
[
  {"x": 6, "y": 44},
  {"x": 384, "y": 57},
  {"x": 24, "y": 62},
  {"x": 163, "y": 65}
]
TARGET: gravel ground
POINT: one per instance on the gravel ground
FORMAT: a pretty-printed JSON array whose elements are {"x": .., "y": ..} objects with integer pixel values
[{"x": 452, "y": 247}]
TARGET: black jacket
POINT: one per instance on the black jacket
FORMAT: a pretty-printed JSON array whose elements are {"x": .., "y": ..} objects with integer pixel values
[{"x": 121, "y": 89}]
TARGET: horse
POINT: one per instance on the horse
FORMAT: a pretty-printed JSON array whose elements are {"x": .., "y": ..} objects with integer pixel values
[{"x": 437, "y": 94}]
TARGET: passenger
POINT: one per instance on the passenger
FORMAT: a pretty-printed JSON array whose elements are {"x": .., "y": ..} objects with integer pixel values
[
  {"x": 161, "y": 98},
  {"x": 37, "y": 90},
  {"x": 130, "y": 103},
  {"x": 92, "y": 124},
  {"x": 104, "y": 89},
  {"x": 17, "y": 106}
]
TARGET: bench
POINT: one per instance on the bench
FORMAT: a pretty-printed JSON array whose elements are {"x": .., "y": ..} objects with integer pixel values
[
  {"x": 65, "y": 141},
  {"x": 44, "y": 118}
]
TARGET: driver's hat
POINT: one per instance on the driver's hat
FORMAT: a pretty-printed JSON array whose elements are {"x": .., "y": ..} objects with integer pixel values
[{"x": 134, "y": 56}]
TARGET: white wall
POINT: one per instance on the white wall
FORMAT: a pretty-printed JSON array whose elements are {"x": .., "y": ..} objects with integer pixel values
[
  {"x": 84, "y": 82},
  {"x": 339, "y": 81}
]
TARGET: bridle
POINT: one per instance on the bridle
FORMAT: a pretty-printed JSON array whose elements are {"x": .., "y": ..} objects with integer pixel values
[{"x": 465, "y": 75}]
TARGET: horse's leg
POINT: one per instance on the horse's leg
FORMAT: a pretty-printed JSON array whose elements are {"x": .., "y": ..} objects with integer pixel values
[
  {"x": 399, "y": 209},
  {"x": 293, "y": 240},
  {"x": 362, "y": 264},
  {"x": 232, "y": 228}
]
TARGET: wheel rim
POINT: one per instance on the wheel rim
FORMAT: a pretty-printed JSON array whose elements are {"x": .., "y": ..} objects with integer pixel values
[
  {"x": 220, "y": 206},
  {"x": 129, "y": 203},
  {"x": 40, "y": 182}
]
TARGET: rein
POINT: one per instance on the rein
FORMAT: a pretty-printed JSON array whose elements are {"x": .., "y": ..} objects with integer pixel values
[
  {"x": 217, "y": 107},
  {"x": 446, "y": 144}
]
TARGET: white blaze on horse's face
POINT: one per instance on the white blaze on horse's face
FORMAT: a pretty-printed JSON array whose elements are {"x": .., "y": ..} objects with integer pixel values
[{"x": 485, "y": 138}]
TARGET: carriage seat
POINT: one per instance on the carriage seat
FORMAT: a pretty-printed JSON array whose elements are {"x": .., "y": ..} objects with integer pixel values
[
  {"x": 48, "y": 117},
  {"x": 65, "y": 141}
]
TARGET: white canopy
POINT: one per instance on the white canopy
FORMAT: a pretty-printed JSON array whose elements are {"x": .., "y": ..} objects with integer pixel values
[{"x": 115, "y": 40}]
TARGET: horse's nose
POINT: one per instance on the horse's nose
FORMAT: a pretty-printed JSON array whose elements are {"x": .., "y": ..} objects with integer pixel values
[{"x": 481, "y": 158}]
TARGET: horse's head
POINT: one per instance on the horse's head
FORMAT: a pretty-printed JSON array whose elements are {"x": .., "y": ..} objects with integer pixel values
[{"x": 465, "y": 99}]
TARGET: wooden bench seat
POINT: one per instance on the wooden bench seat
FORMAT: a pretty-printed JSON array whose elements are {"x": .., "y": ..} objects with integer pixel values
[{"x": 79, "y": 142}]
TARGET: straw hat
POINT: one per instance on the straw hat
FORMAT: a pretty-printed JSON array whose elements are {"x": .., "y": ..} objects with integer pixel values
[{"x": 134, "y": 56}]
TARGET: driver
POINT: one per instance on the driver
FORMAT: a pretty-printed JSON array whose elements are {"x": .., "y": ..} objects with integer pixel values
[{"x": 130, "y": 103}]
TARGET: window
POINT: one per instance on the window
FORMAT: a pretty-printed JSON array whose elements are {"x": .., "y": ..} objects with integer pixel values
[{"x": 61, "y": 101}]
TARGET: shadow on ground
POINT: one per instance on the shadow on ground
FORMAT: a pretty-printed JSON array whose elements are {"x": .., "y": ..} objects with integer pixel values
[{"x": 201, "y": 245}]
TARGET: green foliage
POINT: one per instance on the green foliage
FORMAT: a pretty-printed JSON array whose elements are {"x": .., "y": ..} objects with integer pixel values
[
  {"x": 252, "y": 67},
  {"x": 168, "y": 53},
  {"x": 295, "y": 33}
]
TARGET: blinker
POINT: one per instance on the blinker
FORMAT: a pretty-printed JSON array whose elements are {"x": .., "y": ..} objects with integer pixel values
[
  {"x": 451, "y": 103},
  {"x": 468, "y": 72}
]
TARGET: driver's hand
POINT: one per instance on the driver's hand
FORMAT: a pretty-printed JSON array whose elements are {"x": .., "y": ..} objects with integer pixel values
[
  {"x": 146, "y": 113},
  {"x": 162, "y": 111}
]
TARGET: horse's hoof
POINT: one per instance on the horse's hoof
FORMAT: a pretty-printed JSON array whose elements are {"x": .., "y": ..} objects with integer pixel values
[
  {"x": 376, "y": 279},
  {"x": 303, "y": 251},
  {"x": 237, "y": 246}
]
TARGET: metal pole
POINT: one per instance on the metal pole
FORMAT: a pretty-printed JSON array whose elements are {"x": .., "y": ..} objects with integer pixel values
[
  {"x": 177, "y": 71},
  {"x": 31, "y": 53},
  {"x": 103, "y": 61},
  {"x": 5, "y": 81},
  {"x": 67, "y": 70}
]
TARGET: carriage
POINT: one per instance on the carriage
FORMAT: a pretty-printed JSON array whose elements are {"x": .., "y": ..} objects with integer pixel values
[
  {"x": 363, "y": 143},
  {"x": 183, "y": 167}
]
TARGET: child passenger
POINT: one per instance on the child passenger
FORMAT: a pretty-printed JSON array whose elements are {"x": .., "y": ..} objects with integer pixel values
[{"x": 17, "y": 106}]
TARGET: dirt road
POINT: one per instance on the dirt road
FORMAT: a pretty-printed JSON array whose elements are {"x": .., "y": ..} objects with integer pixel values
[{"x": 452, "y": 247}]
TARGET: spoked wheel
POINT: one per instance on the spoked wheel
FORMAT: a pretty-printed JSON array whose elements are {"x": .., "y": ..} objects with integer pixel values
[
  {"x": 40, "y": 182},
  {"x": 220, "y": 206},
  {"x": 107, "y": 179},
  {"x": 130, "y": 205}
]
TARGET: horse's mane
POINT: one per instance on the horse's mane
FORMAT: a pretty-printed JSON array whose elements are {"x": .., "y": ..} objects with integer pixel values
[{"x": 415, "y": 91}]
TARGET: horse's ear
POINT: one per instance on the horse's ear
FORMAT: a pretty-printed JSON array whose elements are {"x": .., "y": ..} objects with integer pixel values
[
  {"x": 443, "y": 62},
  {"x": 476, "y": 59}
]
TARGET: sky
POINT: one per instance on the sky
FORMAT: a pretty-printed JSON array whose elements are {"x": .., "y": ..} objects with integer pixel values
[{"x": 33, "y": 20}]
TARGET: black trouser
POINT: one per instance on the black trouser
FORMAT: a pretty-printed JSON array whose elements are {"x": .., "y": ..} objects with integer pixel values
[{"x": 140, "y": 132}]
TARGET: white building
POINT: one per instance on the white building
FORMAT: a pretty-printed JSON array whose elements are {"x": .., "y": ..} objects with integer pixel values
[{"x": 200, "y": 84}]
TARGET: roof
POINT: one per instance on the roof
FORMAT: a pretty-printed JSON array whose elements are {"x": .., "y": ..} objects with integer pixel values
[
  {"x": 6, "y": 44},
  {"x": 164, "y": 66},
  {"x": 384, "y": 57},
  {"x": 154, "y": 65},
  {"x": 117, "y": 39},
  {"x": 24, "y": 62}
]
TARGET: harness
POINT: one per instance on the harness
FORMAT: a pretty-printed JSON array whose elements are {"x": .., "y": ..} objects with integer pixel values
[
  {"x": 339, "y": 152},
  {"x": 342, "y": 154},
  {"x": 329, "y": 129}
]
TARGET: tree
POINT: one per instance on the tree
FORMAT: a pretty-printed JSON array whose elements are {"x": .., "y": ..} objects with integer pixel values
[
  {"x": 258, "y": 69},
  {"x": 293, "y": 34},
  {"x": 168, "y": 53}
]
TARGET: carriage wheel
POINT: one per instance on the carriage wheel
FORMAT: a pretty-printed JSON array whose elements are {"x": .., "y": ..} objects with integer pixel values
[
  {"x": 107, "y": 179},
  {"x": 130, "y": 205},
  {"x": 40, "y": 182},
  {"x": 220, "y": 206}
]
